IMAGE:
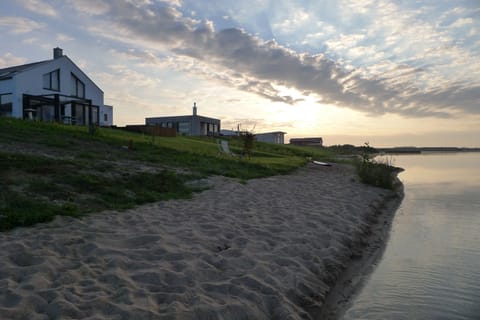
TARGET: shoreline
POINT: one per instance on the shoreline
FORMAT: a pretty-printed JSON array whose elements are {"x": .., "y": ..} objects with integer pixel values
[
  {"x": 353, "y": 278},
  {"x": 269, "y": 248}
]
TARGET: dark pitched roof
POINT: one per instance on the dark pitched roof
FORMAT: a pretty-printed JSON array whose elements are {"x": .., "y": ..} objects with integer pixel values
[{"x": 6, "y": 73}]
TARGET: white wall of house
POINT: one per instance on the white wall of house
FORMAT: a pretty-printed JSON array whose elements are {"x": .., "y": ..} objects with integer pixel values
[
  {"x": 106, "y": 116},
  {"x": 31, "y": 81},
  {"x": 7, "y": 86}
]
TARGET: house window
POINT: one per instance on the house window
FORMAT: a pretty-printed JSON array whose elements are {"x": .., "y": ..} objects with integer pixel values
[
  {"x": 6, "y": 104},
  {"x": 184, "y": 128},
  {"x": 94, "y": 114},
  {"x": 105, "y": 117},
  {"x": 51, "y": 80},
  {"x": 78, "y": 87}
]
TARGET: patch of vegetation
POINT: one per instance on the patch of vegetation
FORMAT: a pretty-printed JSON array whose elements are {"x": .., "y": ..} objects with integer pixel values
[
  {"x": 349, "y": 149},
  {"x": 248, "y": 139},
  {"x": 17, "y": 209},
  {"x": 377, "y": 173},
  {"x": 35, "y": 189}
]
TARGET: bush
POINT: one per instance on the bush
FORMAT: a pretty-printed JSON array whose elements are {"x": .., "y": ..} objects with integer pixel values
[
  {"x": 376, "y": 173},
  {"x": 248, "y": 139}
]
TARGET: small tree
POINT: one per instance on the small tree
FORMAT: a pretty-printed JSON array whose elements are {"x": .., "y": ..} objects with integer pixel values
[
  {"x": 248, "y": 139},
  {"x": 380, "y": 174}
]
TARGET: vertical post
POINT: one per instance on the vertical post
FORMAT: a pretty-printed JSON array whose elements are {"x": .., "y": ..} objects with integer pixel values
[
  {"x": 91, "y": 125},
  {"x": 56, "y": 106},
  {"x": 73, "y": 113},
  {"x": 25, "y": 105}
]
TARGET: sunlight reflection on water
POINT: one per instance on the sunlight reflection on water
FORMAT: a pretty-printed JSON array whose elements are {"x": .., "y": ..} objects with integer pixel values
[{"x": 430, "y": 268}]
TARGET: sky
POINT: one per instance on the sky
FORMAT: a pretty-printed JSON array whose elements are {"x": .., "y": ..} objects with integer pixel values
[{"x": 390, "y": 73}]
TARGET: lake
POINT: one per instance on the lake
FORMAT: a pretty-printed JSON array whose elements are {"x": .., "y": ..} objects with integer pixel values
[{"x": 431, "y": 266}]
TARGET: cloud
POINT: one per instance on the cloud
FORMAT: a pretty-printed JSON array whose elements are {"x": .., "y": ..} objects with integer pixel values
[
  {"x": 299, "y": 18},
  {"x": 124, "y": 76},
  {"x": 90, "y": 7},
  {"x": 40, "y": 7},
  {"x": 8, "y": 60},
  {"x": 19, "y": 25},
  {"x": 63, "y": 37},
  {"x": 254, "y": 65},
  {"x": 175, "y": 3},
  {"x": 462, "y": 22}
]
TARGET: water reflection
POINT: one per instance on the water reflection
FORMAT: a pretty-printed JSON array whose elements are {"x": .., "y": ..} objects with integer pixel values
[{"x": 430, "y": 267}]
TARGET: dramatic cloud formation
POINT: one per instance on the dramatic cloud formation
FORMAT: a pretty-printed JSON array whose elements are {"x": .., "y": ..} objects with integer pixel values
[
  {"x": 327, "y": 68},
  {"x": 252, "y": 64}
]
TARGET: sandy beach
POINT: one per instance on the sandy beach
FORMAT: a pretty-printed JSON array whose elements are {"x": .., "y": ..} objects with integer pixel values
[{"x": 267, "y": 249}]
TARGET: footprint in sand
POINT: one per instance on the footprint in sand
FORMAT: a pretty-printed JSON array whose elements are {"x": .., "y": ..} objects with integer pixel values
[
  {"x": 25, "y": 259},
  {"x": 141, "y": 241},
  {"x": 10, "y": 299}
]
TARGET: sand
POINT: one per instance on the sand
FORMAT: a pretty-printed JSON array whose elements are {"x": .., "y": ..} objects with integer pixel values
[{"x": 268, "y": 249}]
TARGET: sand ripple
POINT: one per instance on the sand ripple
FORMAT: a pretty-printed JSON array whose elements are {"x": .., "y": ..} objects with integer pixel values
[{"x": 270, "y": 248}]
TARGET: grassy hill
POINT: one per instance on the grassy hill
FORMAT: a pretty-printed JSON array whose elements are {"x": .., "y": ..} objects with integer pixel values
[{"x": 49, "y": 169}]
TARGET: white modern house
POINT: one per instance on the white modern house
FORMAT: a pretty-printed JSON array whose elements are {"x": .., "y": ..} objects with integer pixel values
[{"x": 52, "y": 90}]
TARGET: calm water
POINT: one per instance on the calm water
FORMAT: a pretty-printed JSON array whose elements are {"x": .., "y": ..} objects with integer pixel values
[{"x": 431, "y": 266}]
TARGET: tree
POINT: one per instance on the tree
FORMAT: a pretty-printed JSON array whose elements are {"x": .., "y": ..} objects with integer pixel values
[{"x": 248, "y": 139}]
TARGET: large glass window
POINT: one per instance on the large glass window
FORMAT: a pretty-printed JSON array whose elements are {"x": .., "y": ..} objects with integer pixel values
[
  {"x": 78, "y": 87},
  {"x": 94, "y": 115},
  {"x": 51, "y": 80},
  {"x": 6, "y": 104},
  {"x": 47, "y": 112},
  {"x": 79, "y": 113},
  {"x": 184, "y": 128}
]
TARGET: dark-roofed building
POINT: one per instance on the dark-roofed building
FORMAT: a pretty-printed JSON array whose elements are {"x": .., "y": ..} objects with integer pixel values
[
  {"x": 52, "y": 90},
  {"x": 307, "y": 141},
  {"x": 192, "y": 125}
]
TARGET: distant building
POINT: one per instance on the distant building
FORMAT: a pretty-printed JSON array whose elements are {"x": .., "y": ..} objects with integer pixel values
[
  {"x": 52, "y": 90},
  {"x": 106, "y": 116},
  {"x": 307, "y": 141},
  {"x": 193, "y": 125},
  {"x": 232, "y": 133},
  {"x": 277, "y": 137},
  {"x": 229, "y": 133}
]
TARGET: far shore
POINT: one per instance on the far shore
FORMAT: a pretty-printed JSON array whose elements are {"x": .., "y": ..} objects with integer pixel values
[{"x": 280, "y": 247}]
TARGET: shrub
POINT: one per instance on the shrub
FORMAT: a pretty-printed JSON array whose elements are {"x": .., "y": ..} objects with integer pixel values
[
  {"x": 377, "y": 173},
  {"x": 248, "y": 139}
]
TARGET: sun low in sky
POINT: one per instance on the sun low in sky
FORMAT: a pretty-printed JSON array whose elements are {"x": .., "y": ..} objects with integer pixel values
[{"x": 404, "y": 73}]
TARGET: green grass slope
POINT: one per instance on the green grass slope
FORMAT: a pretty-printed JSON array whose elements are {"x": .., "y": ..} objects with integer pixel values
[{"x": 49, "y": 169}]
